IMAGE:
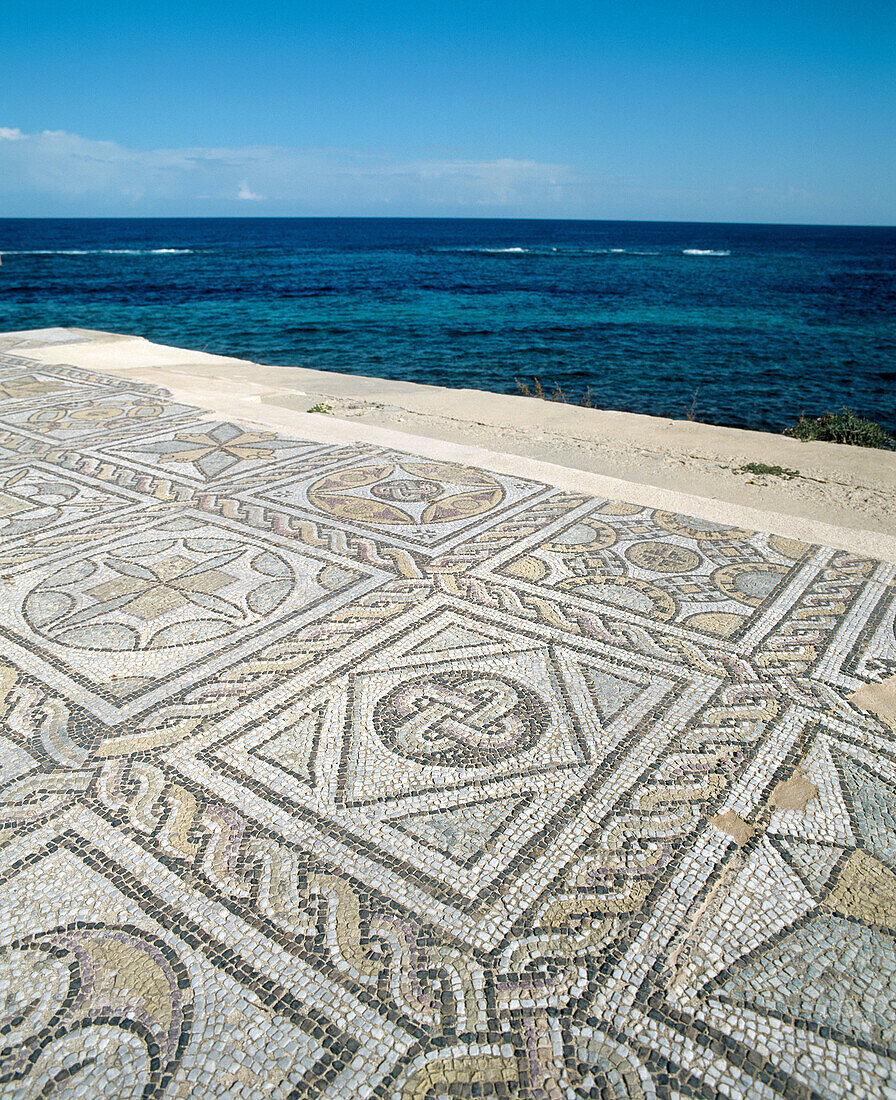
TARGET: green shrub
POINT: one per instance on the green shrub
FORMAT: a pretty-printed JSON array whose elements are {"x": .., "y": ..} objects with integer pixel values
[
  {"x": 843, "y": 427},
  {"x": 764, "y": 468}
]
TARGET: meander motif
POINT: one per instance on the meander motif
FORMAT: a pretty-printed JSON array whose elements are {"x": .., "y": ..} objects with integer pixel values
[{"x": 329, "y": 771}]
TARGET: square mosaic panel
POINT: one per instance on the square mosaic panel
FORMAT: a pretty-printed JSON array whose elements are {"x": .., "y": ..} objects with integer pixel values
[
  {"x": 334, "y": 771},
  {"x": 88, "y": 415},
  {"x": 144, "y": 610},
  {"x": 452, "y": 747},
  {"x": 18, "y": 387},
  {"x": 420, "y": 504},
  {"x": 214, "y": 452},
  {"x": 658, "y": 566},
  {"x": 39, "y": 500}
]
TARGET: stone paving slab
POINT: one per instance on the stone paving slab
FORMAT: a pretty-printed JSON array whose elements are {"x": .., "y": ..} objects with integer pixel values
[{"x": 329, "y": 769}]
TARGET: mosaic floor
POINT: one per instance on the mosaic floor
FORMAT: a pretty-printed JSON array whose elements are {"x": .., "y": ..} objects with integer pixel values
[{"x": 335, "y": 771}]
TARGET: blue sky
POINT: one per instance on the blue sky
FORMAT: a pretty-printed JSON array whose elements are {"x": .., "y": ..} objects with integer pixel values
[{"x": 720, "y": 110}]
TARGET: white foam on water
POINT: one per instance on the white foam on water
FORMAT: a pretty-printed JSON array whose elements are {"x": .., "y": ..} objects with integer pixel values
[
  {"x": 94, "y": 251},
  {"x": 552, "y": 250},
  {"x": 705, "y": 252}
]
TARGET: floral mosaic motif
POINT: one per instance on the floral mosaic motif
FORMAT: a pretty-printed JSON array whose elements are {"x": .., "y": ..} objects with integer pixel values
[
  {"x": 209, "y": 452},
  {"x": 174, "y": 586},
  {"x": 166, "y": 596},
  {"x": 330, "y": 771}
]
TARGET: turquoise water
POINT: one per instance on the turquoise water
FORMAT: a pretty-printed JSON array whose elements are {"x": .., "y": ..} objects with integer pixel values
[{"x": 753, "y": 325}]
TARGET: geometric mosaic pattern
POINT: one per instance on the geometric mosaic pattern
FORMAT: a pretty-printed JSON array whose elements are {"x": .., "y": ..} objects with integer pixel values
[{"x": 335, "y": 771}]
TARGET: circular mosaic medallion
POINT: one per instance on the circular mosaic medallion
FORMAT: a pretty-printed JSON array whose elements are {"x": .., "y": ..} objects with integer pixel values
[
  {"x": 703, "y": 530},
  {"x": 624, "y": 593},
  {"x": 663, "y": 557},
  {"x": 124, "y": 997},
  {"x": 406, "y": 493},
  {"x": 460, "y": 719},
  {"x": 527, "y": 568},
  {"x": 749, "y": 582},
  {"x": 587, "y": 535},
  {"x": 601, "y": 1066}
]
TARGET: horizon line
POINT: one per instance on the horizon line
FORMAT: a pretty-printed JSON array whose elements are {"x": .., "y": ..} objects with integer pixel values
[{"x": 431, "y": 218}]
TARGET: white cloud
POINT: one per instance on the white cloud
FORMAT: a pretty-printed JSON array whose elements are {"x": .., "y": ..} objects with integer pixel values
[
  {"x": 56, "y": 171},
  {"x": 247, "y": 194}
]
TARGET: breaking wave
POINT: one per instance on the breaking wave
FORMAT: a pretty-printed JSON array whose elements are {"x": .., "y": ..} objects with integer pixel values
[{"x": 549, "y": 250}]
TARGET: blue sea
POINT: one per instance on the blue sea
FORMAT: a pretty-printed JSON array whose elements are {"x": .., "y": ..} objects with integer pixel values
[{"x": 746, "y": 325}]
